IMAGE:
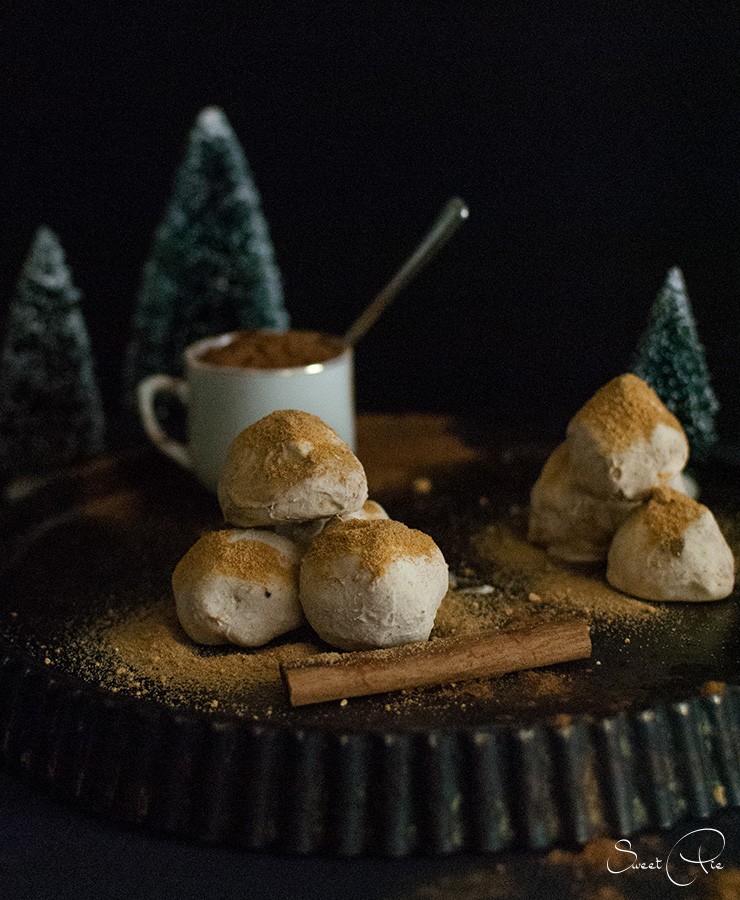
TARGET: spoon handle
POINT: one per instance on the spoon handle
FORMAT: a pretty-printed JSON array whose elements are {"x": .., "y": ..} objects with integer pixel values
[{"x": 449, "y": 220}]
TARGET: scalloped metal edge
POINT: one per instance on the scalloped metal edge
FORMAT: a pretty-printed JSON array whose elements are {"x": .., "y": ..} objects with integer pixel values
[{"x": 224, "y": 780}]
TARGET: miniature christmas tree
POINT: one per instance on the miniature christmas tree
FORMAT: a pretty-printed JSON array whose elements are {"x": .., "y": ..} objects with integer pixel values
[
  {"x": 212, "y": 268},
  {"x": 670, "y": 358},
  {"x": 50, "y": 408}
]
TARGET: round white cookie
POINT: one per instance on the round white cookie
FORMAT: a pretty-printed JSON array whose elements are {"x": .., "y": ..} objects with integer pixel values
[
  {"x": 369, "y": 583},
  {"x": 238, "y": 587},
  {"x": 289, "y": 467},
  {"x": 573, "y": 524},
  {"x": 624, "y": 442},
  {"x": 671, "y": 549}
]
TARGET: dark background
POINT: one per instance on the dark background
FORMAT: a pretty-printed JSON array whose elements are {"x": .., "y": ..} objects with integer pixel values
[{"x": 596, "y": 145}]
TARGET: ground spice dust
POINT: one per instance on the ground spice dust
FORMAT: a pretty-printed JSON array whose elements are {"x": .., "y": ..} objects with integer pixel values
[
  {"x": 547, "y": 582},
  {"x": 376, "y": 543},
  {"x": 667, "y": 516},
  {"x": 465, "y": 612},
  {"x": 725, "y": 885},
  {"x": 148, "y": 652},
  {"x": 268, "y": 350},
  {"x": 218, "y": 553},
  {"x": 473, "y": 610},
  {"x": 145, "y": 651},
  {"x": 589, "y": 866},
  {"x": 505, "y": 606},
  {"x": 624, "y": 411},
  {"x": 282, "y": 450},
  {"x": 578, "y": 875},
  {"x": 525, "y": 689}
]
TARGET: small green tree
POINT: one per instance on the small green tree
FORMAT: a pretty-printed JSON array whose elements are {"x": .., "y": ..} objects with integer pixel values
[
  {"x": 51, "y": 413},
  {"x": 670, "y": 358},
  {"x": 212, "y": 267}
]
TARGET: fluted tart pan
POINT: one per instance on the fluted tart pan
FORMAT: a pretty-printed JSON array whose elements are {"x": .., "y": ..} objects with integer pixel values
[{"x": 643, "y": 734}]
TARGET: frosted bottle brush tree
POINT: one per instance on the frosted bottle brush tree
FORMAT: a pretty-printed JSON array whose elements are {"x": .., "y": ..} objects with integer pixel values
[
  {"x": 670, "y": 358},
  {"x": 212, "y": 268},
  {"x": 51, "y": 413}
]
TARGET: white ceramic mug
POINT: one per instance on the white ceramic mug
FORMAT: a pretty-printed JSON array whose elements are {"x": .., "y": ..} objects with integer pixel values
[{"x": 223, "y": 400}]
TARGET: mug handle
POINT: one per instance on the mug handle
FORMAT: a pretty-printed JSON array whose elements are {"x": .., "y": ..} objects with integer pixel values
[{"x": 146, "y": 394}]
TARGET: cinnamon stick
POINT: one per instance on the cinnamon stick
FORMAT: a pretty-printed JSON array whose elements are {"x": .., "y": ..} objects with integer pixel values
[{"x": 334, "y": 676}]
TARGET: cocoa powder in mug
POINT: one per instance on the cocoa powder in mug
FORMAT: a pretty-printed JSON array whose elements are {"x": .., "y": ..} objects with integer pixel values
[{"x": 270, "y": 350}]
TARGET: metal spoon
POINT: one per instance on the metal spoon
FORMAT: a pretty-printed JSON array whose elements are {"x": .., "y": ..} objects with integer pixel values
[{"x": 449, "y": 220}]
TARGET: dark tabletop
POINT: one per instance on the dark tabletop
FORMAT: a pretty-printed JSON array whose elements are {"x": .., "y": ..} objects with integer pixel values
[{"x": 53, "y": 851}]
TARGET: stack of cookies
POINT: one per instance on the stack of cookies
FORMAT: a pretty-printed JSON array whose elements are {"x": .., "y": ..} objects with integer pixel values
[
  {"x": 615, "y": 490},
  {"x": 309, "y": 546}
]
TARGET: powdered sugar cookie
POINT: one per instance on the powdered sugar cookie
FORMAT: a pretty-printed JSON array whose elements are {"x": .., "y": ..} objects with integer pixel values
[
  {"x": 289, "y": 467},
  {"x": 671, "y": 549},
  {"x": 624, "y": 442},
  {"x": 238, "y": 587},
  {"x": 372, "y": 583}
]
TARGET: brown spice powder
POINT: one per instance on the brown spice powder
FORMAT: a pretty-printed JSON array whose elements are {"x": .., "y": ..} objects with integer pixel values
[
  {"x": 543, "y": 683},
  {"x": 464, "y": 613},
  {"x": 218, "y": 553},
  {"x": 667, "y": 515},
  {"x": 292, "y": 446},
  {"x": 624, "y": 411},
  {"x": 285, "y": 426},
  {"x": 269, "y": 350},
  {"x": 725, "y": 885},
  {"x": 523, "y": 689},
  {"x": 557, "y": 585},
  {"x": 375, "y": 542},
  {"x": 147, "y": 650},
  {"x": 150, "y": 645}
]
